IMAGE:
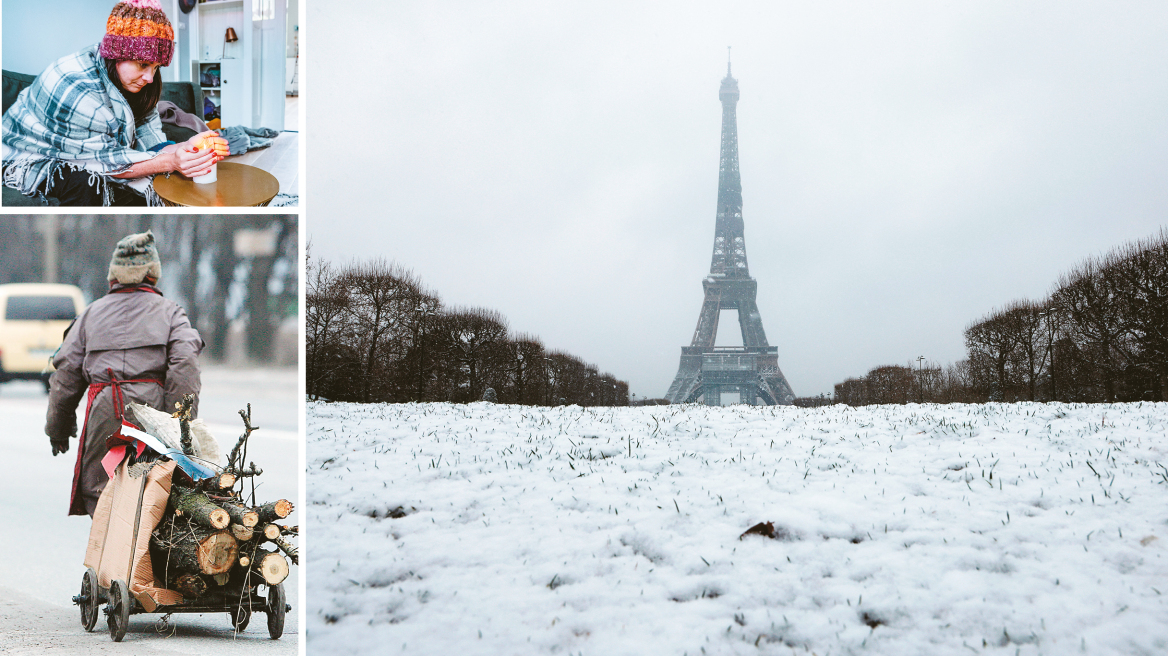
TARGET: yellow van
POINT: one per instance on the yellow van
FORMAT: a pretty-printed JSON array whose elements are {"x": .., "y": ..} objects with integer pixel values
[{"x": 33, "y": 319}]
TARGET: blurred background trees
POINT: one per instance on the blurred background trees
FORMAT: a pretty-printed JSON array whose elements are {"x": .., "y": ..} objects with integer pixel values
[
  {"x": 235, "y": 275},
  {"x": 374, "y": 334},
  {"x": 1100, "y": 336}
]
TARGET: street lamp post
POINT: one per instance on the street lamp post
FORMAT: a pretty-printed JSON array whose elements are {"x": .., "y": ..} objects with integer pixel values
[
  {"x": 519, "y": 375},
  {"x": 547, "y": 380},
  {"x": 920, "y": 379},
  {"x": 420, "y": 339},
  {"x": 1046, "y": 315}
]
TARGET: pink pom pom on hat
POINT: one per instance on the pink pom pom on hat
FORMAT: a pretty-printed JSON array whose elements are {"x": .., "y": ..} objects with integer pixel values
[{"x": 138, "y": 30}]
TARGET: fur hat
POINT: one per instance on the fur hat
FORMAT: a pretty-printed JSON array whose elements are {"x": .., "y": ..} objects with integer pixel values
[
  {"x": 138, "y": 30},
  {"x": 134, "y": 259}
]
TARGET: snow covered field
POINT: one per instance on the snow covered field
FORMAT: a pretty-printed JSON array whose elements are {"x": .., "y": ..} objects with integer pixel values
[{"x": 920, "y": 529}]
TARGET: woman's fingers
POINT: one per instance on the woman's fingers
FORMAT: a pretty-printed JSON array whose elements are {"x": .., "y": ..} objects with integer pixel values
[
  {"x": 206, "y": 140},
  {"x": 200, "y": 168},
  {"x": 202, "y": 156},
  {"x": 219, "y": 144},
  {"x": 191, "y": 162},
  {"x": 206, "y": 149}
]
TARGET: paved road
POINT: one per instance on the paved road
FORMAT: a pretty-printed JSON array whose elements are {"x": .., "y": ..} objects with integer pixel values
[{"x": 41, "y": 549}]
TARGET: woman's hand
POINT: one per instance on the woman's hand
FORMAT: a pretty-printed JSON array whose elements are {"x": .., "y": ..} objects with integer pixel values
[
  {"x": 192, "y": 158},
  {"x": 200, "y": 153},
  {"x": 193, "y": 163},
  {"x": 211, "y": 141}
]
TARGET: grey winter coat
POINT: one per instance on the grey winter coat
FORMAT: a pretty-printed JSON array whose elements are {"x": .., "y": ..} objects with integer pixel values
[{"x": 134, "y": 334}]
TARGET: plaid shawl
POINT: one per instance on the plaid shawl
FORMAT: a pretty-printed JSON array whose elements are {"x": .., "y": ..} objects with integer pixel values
[{"x": 73, "y": 116}]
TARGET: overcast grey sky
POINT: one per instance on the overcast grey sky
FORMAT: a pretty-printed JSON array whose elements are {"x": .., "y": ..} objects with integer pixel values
[{"x": 906, "y": 167}]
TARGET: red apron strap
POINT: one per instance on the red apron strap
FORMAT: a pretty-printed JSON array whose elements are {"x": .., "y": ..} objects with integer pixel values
[{"x": 76, "y": 506}]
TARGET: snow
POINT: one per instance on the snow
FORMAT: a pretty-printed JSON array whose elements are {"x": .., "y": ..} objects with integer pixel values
[{"x": 918, "y": 529}]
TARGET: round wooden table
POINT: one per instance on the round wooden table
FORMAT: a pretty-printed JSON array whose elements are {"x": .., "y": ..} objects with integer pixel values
[{"x": 237, "y": 185}]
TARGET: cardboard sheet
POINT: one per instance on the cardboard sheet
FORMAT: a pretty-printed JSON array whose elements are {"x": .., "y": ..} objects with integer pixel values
[{"x": 111, "y": 538}]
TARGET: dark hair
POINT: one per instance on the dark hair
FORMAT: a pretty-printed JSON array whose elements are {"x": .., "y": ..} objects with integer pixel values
[{"x": 141, "y": 103}]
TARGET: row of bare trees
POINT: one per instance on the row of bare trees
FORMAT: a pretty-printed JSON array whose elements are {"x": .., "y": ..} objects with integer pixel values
[
  {"x": 375, "y": 334},
  {"x": 1101, "y": 335},
  {"x": 923, "y": 383}
]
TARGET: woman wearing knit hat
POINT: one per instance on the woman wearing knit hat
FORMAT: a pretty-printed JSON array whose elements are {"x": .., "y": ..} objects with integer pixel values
[
  {"x": 87, "y": 132},
  {"x": 130, "y": 345}
]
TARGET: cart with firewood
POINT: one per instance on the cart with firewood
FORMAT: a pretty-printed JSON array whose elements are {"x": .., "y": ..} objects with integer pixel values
[{"x": 176, "y": 531}]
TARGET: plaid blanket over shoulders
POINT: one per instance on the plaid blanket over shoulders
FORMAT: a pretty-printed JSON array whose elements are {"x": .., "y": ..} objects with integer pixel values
[{"x": 73, "y": 116}]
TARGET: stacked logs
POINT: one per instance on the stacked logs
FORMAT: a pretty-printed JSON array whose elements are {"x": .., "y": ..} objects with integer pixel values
[
  {"x": 209, "y": 537},
  {"x": 206, "y": 540}
]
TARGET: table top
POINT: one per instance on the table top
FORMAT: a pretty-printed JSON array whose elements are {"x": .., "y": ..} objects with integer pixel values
[{"x": 237, "y": 185}]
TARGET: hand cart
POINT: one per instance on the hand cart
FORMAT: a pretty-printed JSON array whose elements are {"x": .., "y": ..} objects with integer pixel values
[
  {"x": 121, "y": 580},
  {"x": 239, "y": 604}
]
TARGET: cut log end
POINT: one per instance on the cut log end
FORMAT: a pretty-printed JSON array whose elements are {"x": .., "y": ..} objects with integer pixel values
[
  {"x": 217, "y": 553},
  {"x": 248, "y": 518},
  {"x": 271, "y": 531},
  {"x": 226, "y": 481},
  {"x": 274, "y": 510},
  {"x": 244, "y": 561},
  {"x": 196, "y": 505},
  {"x": 273, "y": 567},
  {"x": 190, "y": 585},
  {"x": 242, "y": 533},
  {"x": 219, "y": 518}
]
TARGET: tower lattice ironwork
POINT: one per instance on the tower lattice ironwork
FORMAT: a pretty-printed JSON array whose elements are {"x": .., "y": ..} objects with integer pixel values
[{"x": 751, "y": 370}]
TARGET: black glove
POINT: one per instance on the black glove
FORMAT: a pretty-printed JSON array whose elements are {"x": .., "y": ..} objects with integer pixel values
[{"x": 60, "y": 444}]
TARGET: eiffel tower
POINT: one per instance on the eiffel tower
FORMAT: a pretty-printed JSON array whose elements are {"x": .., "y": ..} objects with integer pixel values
[{"x": 714, "y": 374}]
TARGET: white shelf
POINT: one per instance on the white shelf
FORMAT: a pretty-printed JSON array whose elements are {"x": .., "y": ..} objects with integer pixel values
[{"x": 245, "y": 82}]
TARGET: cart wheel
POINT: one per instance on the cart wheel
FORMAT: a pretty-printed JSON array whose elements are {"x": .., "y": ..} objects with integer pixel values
[
  {"x": 276, "y": 608},
  {"x": 118, "y": 610},
  {"x": 89, "y": 599},
  {"x": 240, "y": 617}
]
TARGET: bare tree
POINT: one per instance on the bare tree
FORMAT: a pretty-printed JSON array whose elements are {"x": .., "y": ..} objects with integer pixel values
[
  {"x": 375, "y": 334},
  {"x": 380, "y": 295},
  {"x": 851, "y": 392},
  {"x": 1030, "y": 354},
  {"x": 327, "y": 302},
  {"x": 992, "y": 343},
  {"x": 1140, "y": 274},
  {"x": 1087, "y": 296},
  {"x": 929, "y": 382},
  {"x": 889, "y": 384},
  {"x": 527, "y": 380},
  {"x": 469, "y": 338},
  {"x": 421, "y": 360}
]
